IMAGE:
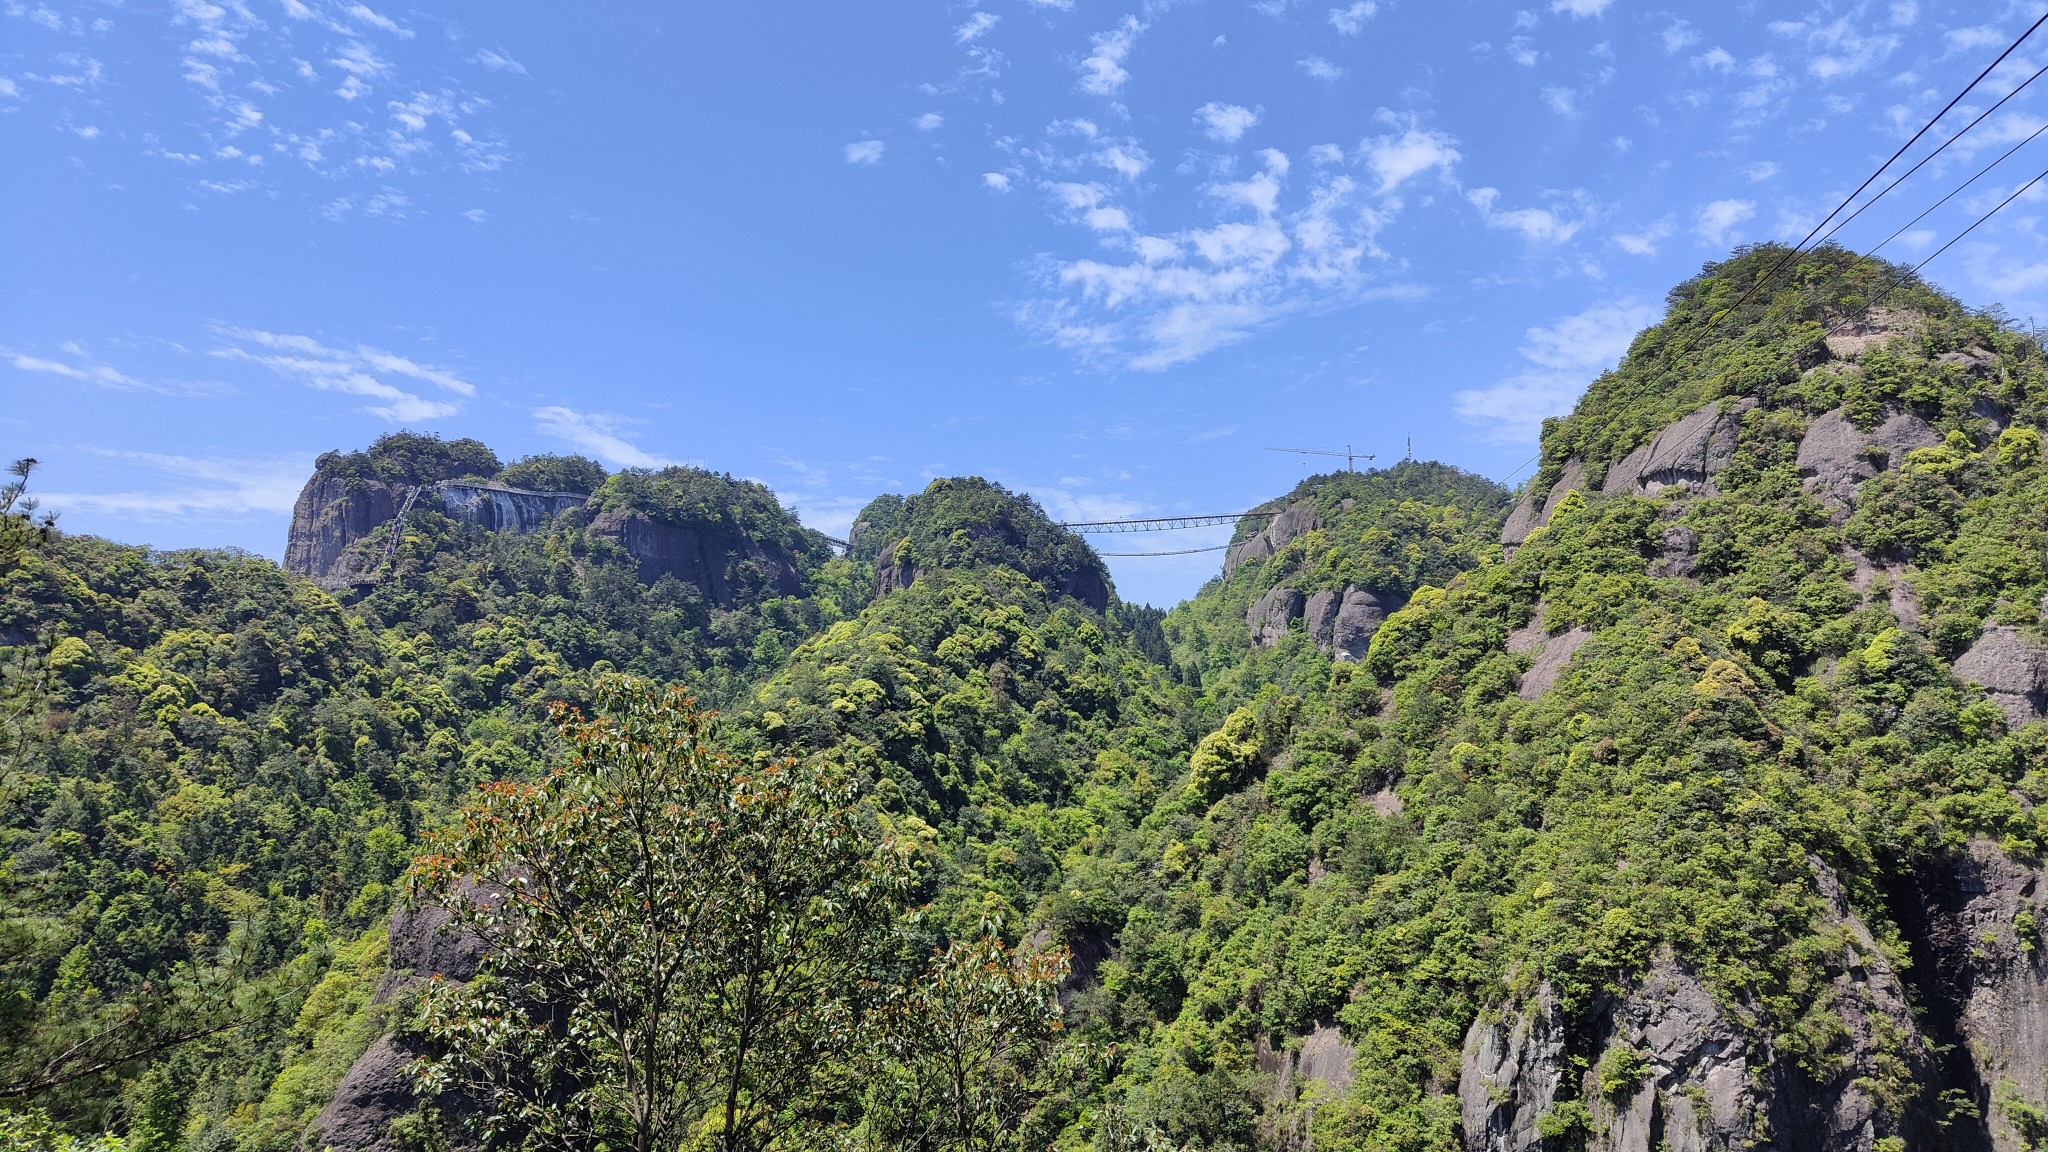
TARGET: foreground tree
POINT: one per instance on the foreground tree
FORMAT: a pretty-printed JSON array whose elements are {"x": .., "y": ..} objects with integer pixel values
[
  {"x": 961, "y": 1054},
  {"x": 679, "y": 943}
]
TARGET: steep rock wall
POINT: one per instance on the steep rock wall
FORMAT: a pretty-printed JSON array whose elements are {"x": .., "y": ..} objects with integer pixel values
[{"x": 330, "y": 514}]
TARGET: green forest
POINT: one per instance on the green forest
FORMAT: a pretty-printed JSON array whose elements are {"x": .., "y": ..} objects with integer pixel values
[{"x": 1739, "y": 747}]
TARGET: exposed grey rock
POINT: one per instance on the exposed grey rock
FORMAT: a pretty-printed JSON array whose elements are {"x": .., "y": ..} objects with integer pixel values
[
  {"x": 1358, "y": 619},
  {"x": 2012, "y": 668},
  {"x": 1271, "y": 614},
  {"x": 1550, "y": 661},
  {"x": 1294, "y": 521},
  {"x": 1991, "y": 412},
  {"x": 428, "y": 942},
  {"x": 1677, "y": 546},
  {"x": 1835, "y": 456},
  {"x": 1974, "y": 361},
  {"x": 1981, "y": 970},
  {"x": 720, "y": 565},
  {"x": 1875, "y": 329},
  {"x": 1319, "y": 616},
  {"x": 1697, "y": 1095},
  {"x": 1510, "y": 1074},
  {"x": 1686, "y": 454},
  {"x": 498, "y": 509},
  {"x": 1533, "y": 511},
  {"x": 332, "y": 513},
  {"x": 375, "y": 1092},
  {"x": 1903, "y": 601},
  {"x": 1326, "y": 1056}
]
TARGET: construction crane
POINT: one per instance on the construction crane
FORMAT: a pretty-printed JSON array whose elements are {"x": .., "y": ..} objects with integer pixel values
[{"x": 1350, "y": 458}]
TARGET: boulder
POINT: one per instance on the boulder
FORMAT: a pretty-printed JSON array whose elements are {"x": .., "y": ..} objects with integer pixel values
[
  {"x": 427, "y": 942},
  {"x": 1835, "y": 456},
  {"x": 1687, "y": 454},
  {"x": 1676, "y": 547},
  {"x": 1874, "y": 329},
  {"x": 1294, "y": 521},
  {"x": 2012, "y": 668},
  {"x": 1270, "y": 616},
  {"x": 1358, "y": 618},
  {"x": 1535, "y": 509}
]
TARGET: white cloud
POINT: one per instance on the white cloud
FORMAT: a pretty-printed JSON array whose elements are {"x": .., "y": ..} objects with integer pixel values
[
  {"x": 361, "y": 371},
  {"x": 1581, "y": 8},
  {"x": 976, "y": 26},
  {"x": 1679, "y": 36},
  {"x": 1973, "y": 39},
  {"x": 1319, "y": 68},
  {"x": 865, "y": 152},
  {"x": 1760, "y": 171},
  {"x": 1127, "y": 160},
  {"x": 1562, "y": 101},
  {"x": 597, "y": 434},
  {"x": 1644, "y": 241},
  {"x": 1719, "y": 218},
  {"x": 1540, "y": 225},
  {"x": 1225, "y": 122},
  {"x": 1844, "y": 47},
  {"x": 8, "y": 88},
  {"x": 85, "y": 369},
  {"x": 928, "y": 122},
  {"x": 1716, "y": 59},
  {"x": 227, "y": 488},
  {"x": 1397, "y": 159},
  {"x": 1566, "y": 356},
  {"x": 1350, "y": 21},
  {"x": 498, "y": 61},
  {"x": 996, "y": 181},
  {"x": 1102, "y": 71},
  {"x": 1089, "y": 204}
]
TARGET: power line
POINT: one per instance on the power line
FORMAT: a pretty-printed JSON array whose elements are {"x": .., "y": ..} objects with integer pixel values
[
  {"x": 1931, "y": 155},
  {"x": 1793, "y": 253},
  {"x": 1915, "y": 270},
  {"x": 1960, "y": 189},
  {"x": 1182, "y": 552},
  {"x": 1159, "y": 523}
]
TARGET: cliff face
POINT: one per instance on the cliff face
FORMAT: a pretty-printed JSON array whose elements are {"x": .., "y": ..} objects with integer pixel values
[
  {"x": 724, "y": 566},
  {"x": 333, "y": 512},
  {"x": 494, "y": 508}
]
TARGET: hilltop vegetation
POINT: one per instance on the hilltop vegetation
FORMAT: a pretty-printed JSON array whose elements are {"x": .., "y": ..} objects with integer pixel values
[{"x": 1393, "y": 837}]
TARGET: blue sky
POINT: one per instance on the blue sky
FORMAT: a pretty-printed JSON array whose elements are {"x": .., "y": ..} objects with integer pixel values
[{"x": 1105, "y": 252}]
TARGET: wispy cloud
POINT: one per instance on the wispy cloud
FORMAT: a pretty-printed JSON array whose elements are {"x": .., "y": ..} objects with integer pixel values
[
  {"x": 1643, "y": 241},
  {"x": 498, "y": 60},
  {"x": 359, "y": 371},
  {"x": 1319, "y": 68},
  {"x": 1565, "y": 356},
  {"x": 194, "y": 486},
  {"x": 1350, "y": 21},
  {"x": 1581, "y": 8},
  {"x": 865, "y": 153},
  {"x": 977, "y": 26},
  {"x": 81, "y": 367},
  {"x": 1398, "y": 159},
  {"x": 596, "y": 433}
]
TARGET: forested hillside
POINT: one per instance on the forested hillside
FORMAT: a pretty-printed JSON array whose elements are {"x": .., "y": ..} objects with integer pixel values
[{"x": 1687, "y": 799}]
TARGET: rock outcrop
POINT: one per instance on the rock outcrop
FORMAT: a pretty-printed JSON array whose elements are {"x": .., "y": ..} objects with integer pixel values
[
  {"x": 331, "y": 513},
  {"x": 1294, "y": 521},
  {"x": 375, "y": 1092},
  {"x": 1510, "y": 1076},
  {"x": 1269, "y": 616},
  {"x": 723, "y": 567},
  {"x": 498, "y": 509},
  {"x": 2012, "y": 668},
  {"x": 1836, "y": 457},
  {"x": 1340, "y": 623},
  {"x": 1687, "y": 454},
  {"x": 1535, "y": 509}
]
